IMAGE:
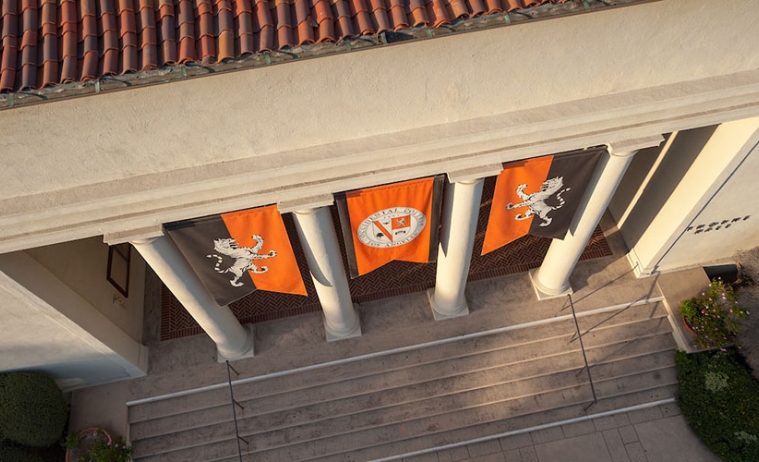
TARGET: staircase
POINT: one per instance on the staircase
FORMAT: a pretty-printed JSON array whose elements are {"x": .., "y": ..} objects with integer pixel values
[{"x": 421, "y": 397}]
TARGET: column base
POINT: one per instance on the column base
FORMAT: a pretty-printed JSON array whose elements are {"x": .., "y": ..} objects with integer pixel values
[
  {"x": 635, "y": 264},
  {"x": 247, "y": 352},
  {"x": 463, "y": 311},
  {"x": 543, "y": 292},
  {"x": 333, "y": 336}
]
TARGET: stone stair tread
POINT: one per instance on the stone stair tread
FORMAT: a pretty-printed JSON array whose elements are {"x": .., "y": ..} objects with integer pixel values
[
  {"x": 655, "y": 360},
  {"x": 335, "y": 418},
  {"x": 422, "y": 384},
  {"x": 524, "y": 368},
  {"x": 440, "y": 424},
  {"x": 334, "y": 374},
  {"x": 654, "y": 341},
  {"x": 562, "y": 397},
  {"x": 420, "y": 395},
  {"x": 371, "y": 436},
  {"x": 479, "y": 431},
  {"x": 651, "y": 380}
]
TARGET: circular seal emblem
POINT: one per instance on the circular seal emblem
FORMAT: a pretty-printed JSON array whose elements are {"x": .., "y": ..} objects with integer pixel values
[{"x": 391, "y": 227}]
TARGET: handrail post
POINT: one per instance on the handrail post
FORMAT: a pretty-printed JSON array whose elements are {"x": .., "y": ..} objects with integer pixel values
[
  {"x": 584, "y": 356},
  {"x": 234, "y": 410}
]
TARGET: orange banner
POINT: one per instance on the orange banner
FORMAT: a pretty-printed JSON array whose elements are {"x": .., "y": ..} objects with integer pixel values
[
  {"x": 262, "y": 233},
  {"x": 392, "y": 222},
  {"x": 507, "y": 222}
]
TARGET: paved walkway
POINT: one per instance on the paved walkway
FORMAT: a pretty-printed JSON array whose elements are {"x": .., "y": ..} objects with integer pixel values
[{"x": 656, "y": 434}]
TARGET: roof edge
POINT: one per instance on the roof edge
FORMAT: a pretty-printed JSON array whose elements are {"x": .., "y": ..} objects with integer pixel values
[{"x": 180, "y": 72}]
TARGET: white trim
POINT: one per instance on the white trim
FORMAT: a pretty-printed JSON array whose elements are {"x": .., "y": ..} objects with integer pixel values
[{"x": 499, "y": 330}]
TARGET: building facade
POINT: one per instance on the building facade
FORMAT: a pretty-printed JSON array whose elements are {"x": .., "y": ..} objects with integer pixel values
[{"x": 671, "y": 88}]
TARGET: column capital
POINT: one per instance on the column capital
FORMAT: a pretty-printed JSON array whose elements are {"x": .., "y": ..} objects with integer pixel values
[
  {"x": 629, "y": 147},
  {"x": 140, "y": 235},
  {"x": 306, "y": 203},
  {"x": 472, "y": 175}
]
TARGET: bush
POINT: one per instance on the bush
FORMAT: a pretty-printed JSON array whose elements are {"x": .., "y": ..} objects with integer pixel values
[
  {"x": 720, "y": 400},
  {"x": 714, "y": 315},
  {"x": 10, "y": 453},
  {"x": 32, "y": 409}
]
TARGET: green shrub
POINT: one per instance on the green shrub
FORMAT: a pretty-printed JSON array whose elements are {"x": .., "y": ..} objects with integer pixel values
[
  {"x": 11, "y": 453},
  {"x": 714, "y": 315},
  {"x": 720, "y": 400},
  {"x": 32, "y": 409}
]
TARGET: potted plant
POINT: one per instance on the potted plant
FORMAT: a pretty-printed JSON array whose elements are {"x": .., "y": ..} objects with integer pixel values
[
  {"x": 713, "y": 316},
  {"x": 96, "y": 445}
]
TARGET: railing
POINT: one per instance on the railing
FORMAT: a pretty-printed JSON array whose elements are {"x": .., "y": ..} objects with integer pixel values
[
  {"x": 231, "y": 369},
  {"x": 584, "y": 356}
]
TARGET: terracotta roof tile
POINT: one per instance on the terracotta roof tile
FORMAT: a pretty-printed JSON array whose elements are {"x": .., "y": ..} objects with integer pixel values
[
  {"x": 379, "y": 15},
  {"x": 146, "y": 29},
  {"x": 226, "y": 30},
  {"x": 49, "y": 42}
]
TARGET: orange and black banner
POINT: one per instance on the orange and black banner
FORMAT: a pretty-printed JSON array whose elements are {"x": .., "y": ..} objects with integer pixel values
[
  {"x": 538, "y": 196},
  {"x": 399, "y": 221},
  {"x": 239, "y": 252}
]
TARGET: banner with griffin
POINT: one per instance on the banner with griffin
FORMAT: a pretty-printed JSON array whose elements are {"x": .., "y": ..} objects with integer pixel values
[
  {"x": 239, "y": 252},
  {"x": 391, "y": 222},
  {"x": 538, "y": 196}
]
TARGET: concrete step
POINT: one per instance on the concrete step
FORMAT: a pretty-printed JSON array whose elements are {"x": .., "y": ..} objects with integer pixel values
[
  {"x": 490, "y": 367},
  {"x": 489, "y": 373},
  {"x": 407, "y": 397},
  {"x": 303, "y": 449},
  {"x": 391, "y": 362},
  {"x": 497, "y": 427},
  {"x": 523, "y": 413}
]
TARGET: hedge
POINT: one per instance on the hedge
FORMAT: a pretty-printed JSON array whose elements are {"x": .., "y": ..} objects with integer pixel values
[
  {"x": 720, "y": 401},
  {"x": 32, "y": 409},
  {"x": 11, "y": 453}
]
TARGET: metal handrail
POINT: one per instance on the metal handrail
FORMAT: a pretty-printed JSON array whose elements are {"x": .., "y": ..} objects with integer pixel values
[
  {"x": 234, "y": 410},
  {"x": 584, "y": 356}
]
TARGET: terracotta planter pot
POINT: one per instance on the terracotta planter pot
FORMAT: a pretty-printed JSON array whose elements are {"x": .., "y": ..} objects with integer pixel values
[
  {"x": 89, "y": 437},
  {"x": 688, "y": 328}
]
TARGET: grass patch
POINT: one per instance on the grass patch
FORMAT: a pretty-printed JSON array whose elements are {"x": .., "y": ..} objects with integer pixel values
[{"x": 720, "y": 400}]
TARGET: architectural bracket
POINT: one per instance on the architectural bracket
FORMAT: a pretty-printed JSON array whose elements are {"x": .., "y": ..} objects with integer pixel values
[
  {"x": 306, "y": 203},
  {"x": 633, "y": 145},
  {"x": 120, "y": 237},
  {"x": 475, "y": 173}
]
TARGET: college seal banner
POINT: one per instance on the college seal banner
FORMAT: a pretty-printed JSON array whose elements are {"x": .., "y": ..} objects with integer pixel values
[
  {"x": 538, "y": 196},
  {"x": 391, "y": 222},
  {"x": 239, "y": 252}
]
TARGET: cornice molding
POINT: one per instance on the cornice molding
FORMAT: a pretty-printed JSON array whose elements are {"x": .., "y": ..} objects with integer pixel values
[{"x": 143, "y": 202}]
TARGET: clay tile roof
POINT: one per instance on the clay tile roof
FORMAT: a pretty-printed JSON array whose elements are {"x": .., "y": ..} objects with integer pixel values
[{"x": 51, "y": 42}]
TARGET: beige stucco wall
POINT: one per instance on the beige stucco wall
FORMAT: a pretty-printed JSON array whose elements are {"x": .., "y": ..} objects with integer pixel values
[
  {"x": 700, "y": 176},
  {"x": 726, "y": 225},
  {"x": 144, "y": 156},
  {"x": 46, "y": 326},
  {"x": 81, "y": 265},
  {"x": 264, "y": 111}
]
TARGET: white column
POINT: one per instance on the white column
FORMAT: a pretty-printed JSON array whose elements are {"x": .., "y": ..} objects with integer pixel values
[
  {"x": 319, "y": 241},
  {"x": 459, "y": 225},
  {"x": 552, "y": 278},
  {"x": 233, "y": 341}
]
